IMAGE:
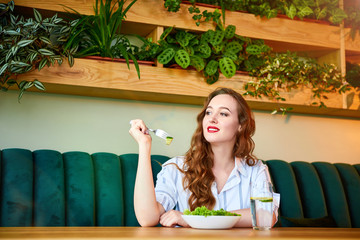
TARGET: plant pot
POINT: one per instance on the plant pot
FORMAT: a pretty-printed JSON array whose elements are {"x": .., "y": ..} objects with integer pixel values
[
  {"x": 176, "y": 66},
  {"x": 141, "y": 62},
  {"x": 279, "y": 15}
]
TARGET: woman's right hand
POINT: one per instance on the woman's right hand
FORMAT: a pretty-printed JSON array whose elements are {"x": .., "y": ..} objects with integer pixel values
[{"x": 140, "y": 132}]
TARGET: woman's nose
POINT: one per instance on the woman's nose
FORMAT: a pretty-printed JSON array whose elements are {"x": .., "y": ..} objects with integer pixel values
[{"x": 213, "y": 119}]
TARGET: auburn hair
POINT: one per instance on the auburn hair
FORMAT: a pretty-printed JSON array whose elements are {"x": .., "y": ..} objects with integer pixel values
[{"x": 199, "y": 159}]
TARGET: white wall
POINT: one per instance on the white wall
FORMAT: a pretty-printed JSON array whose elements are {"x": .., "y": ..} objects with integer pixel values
[{"x": 74, "y": 123}]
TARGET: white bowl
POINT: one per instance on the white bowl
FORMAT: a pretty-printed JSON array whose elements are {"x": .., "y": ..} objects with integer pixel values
[{"x": 211, "y": 222}]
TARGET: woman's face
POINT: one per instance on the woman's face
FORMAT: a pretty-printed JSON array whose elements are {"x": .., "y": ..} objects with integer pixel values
[{"x": 220, "y": 123}]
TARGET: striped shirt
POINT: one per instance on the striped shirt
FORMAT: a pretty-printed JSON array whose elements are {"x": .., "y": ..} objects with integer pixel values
[{"x": 234, "y": 195}]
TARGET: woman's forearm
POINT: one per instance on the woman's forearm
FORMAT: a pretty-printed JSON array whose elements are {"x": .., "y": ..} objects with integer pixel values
[
  {"x": 147, "y": 209},
  {"x": 245, "y": 220}
]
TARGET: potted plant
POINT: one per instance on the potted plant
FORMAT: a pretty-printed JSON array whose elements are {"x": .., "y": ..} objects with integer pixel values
[
  {"x": 212, "y": 52},
  {"x": 319, "y": 9},
  {"x": 100, "y": 34},
  {"x": 28, "y": 44}
]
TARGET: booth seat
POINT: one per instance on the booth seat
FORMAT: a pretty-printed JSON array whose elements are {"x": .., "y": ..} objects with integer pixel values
[{"x": 49, "y": 188}]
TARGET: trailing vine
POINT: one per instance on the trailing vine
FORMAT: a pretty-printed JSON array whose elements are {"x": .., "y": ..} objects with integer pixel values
[{"x": 287, "y": 71}]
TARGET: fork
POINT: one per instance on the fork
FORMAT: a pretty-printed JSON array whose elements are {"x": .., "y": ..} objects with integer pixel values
[{"x": 162, "y": 134}]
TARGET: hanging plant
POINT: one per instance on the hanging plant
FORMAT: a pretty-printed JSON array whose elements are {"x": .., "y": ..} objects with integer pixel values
[
  {"x": 284, "y": 72},
  {"x": 28, "y": 44}
]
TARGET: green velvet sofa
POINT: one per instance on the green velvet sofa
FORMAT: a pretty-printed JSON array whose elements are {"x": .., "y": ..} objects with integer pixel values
[{"x": 49, "y": 188}]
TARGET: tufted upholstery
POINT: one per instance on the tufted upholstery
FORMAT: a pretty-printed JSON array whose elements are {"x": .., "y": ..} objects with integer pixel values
[
  {"x": 317, "y": 190},
  {"x": 48, "y": 188}
]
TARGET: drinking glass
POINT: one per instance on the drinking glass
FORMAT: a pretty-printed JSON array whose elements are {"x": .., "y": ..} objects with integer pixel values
[{"x": 261, "y": 201}]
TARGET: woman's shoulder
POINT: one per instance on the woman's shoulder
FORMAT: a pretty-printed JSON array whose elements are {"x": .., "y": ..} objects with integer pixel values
[
  {"x": 257, "y": 166},
  {"x": 179, "y": 161}
]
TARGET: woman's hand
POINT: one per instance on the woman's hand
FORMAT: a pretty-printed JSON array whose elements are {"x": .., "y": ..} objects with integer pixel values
[
  {"x": 172, "y": 218},
  {"x": 140, "y": 132}
]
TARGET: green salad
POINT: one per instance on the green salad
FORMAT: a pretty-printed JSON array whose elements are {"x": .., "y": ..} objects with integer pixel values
[{"x": 203, "y": 211}]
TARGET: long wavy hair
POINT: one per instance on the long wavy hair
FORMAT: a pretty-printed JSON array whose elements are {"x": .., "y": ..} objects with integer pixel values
[{"x": 199, "y": 159}]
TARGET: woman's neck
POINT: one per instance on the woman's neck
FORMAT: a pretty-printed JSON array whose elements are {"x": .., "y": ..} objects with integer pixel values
[{"x": 223, "y": 157}]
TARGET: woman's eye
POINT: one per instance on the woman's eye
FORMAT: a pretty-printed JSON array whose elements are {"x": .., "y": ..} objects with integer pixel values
[
  {"x": 224, "y": 114},
  {"x": 207, "y": 112}
]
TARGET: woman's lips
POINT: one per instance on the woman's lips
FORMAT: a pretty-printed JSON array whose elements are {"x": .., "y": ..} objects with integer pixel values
[{"x": 212, "y": 129}]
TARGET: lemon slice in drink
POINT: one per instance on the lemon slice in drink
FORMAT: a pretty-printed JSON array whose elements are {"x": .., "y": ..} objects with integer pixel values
[{"x": 263, "y": 199}]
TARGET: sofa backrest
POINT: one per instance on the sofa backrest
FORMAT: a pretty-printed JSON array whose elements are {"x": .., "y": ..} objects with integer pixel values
[
  {"x": 316, "y": 193},
  {"x": 49, "y": 188}
]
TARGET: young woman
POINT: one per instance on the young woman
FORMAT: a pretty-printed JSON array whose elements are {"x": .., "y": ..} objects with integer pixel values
[{"x": 216, "y": 171}]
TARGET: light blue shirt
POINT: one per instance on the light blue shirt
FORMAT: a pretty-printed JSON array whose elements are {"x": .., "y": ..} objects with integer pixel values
[{"x": 234, "y": 195}]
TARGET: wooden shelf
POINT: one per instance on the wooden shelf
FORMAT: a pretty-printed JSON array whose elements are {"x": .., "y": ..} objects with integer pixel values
[
  {"x": 276, "y": 30},
  {"x": 148, "y": 17},
  {"x": 114, "y": 80}
]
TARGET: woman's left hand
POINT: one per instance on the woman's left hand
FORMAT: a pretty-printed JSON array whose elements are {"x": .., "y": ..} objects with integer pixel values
[{"x": 172, "y": 218}]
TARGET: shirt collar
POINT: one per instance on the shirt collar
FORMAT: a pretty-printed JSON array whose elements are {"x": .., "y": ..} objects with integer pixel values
[{"x": 239, "y": 165}]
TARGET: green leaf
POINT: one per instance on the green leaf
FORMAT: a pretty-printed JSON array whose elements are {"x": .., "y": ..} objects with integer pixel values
[
  {"x": 42, "y": 63},
  {"x": 166, "y": 32},
  {"x": 32, "y": 56},
  {"x": 21, "y": 94},
  {"x": 3, "y": 68},
  {"x": 37, "y": 15},
  {"x": 24, "y": 43},
  {"x": 321, "y": 13},
  {"x": 204, "y": 50},
  {"x": 189, "y": 50},
  {"x": 213, "y": 78},
  {"x": 197, "y": 62},
  {"x": 19, "y": 64},
  {"x": 11, "y": 82},
  {"x": 219, "y": 48},
  {"x": 217, "y": 37},
  {"x": 227, "y": 67},
  {"x": 212, "y": 67},
  {"x": 166, "y": 56},
  {"x": 230, "y": 32},
  {"x": 45, "y": 40},
  {"x": 39, "y": 85},
  {"x": 233, "y": 47},
  {"x": 304, "y": 11},
  {"x": 182, "y": 58},
  {"x": 28, "y": 85},
  {"x": 46, "y": 52},
  {"x": 12, "y": 32},
  {"x": 337, "y": 15},
  {"x": 181, "y": 38},
  {"x": 70, "y": 60},
  {"x": 253, "y": 49},
  {"x": 291, "y": 12},
  {"x": 231, "y": 55}
]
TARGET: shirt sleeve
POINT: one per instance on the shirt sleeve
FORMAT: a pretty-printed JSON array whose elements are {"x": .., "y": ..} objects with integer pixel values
[{"x": 165, "y": 191}]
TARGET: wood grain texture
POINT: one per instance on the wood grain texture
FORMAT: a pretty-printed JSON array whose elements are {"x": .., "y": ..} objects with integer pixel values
[
  {"x": 112, "y": 79},
  {"x": 152, "y": 12},
  {"x": 155, "y": 233}
]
